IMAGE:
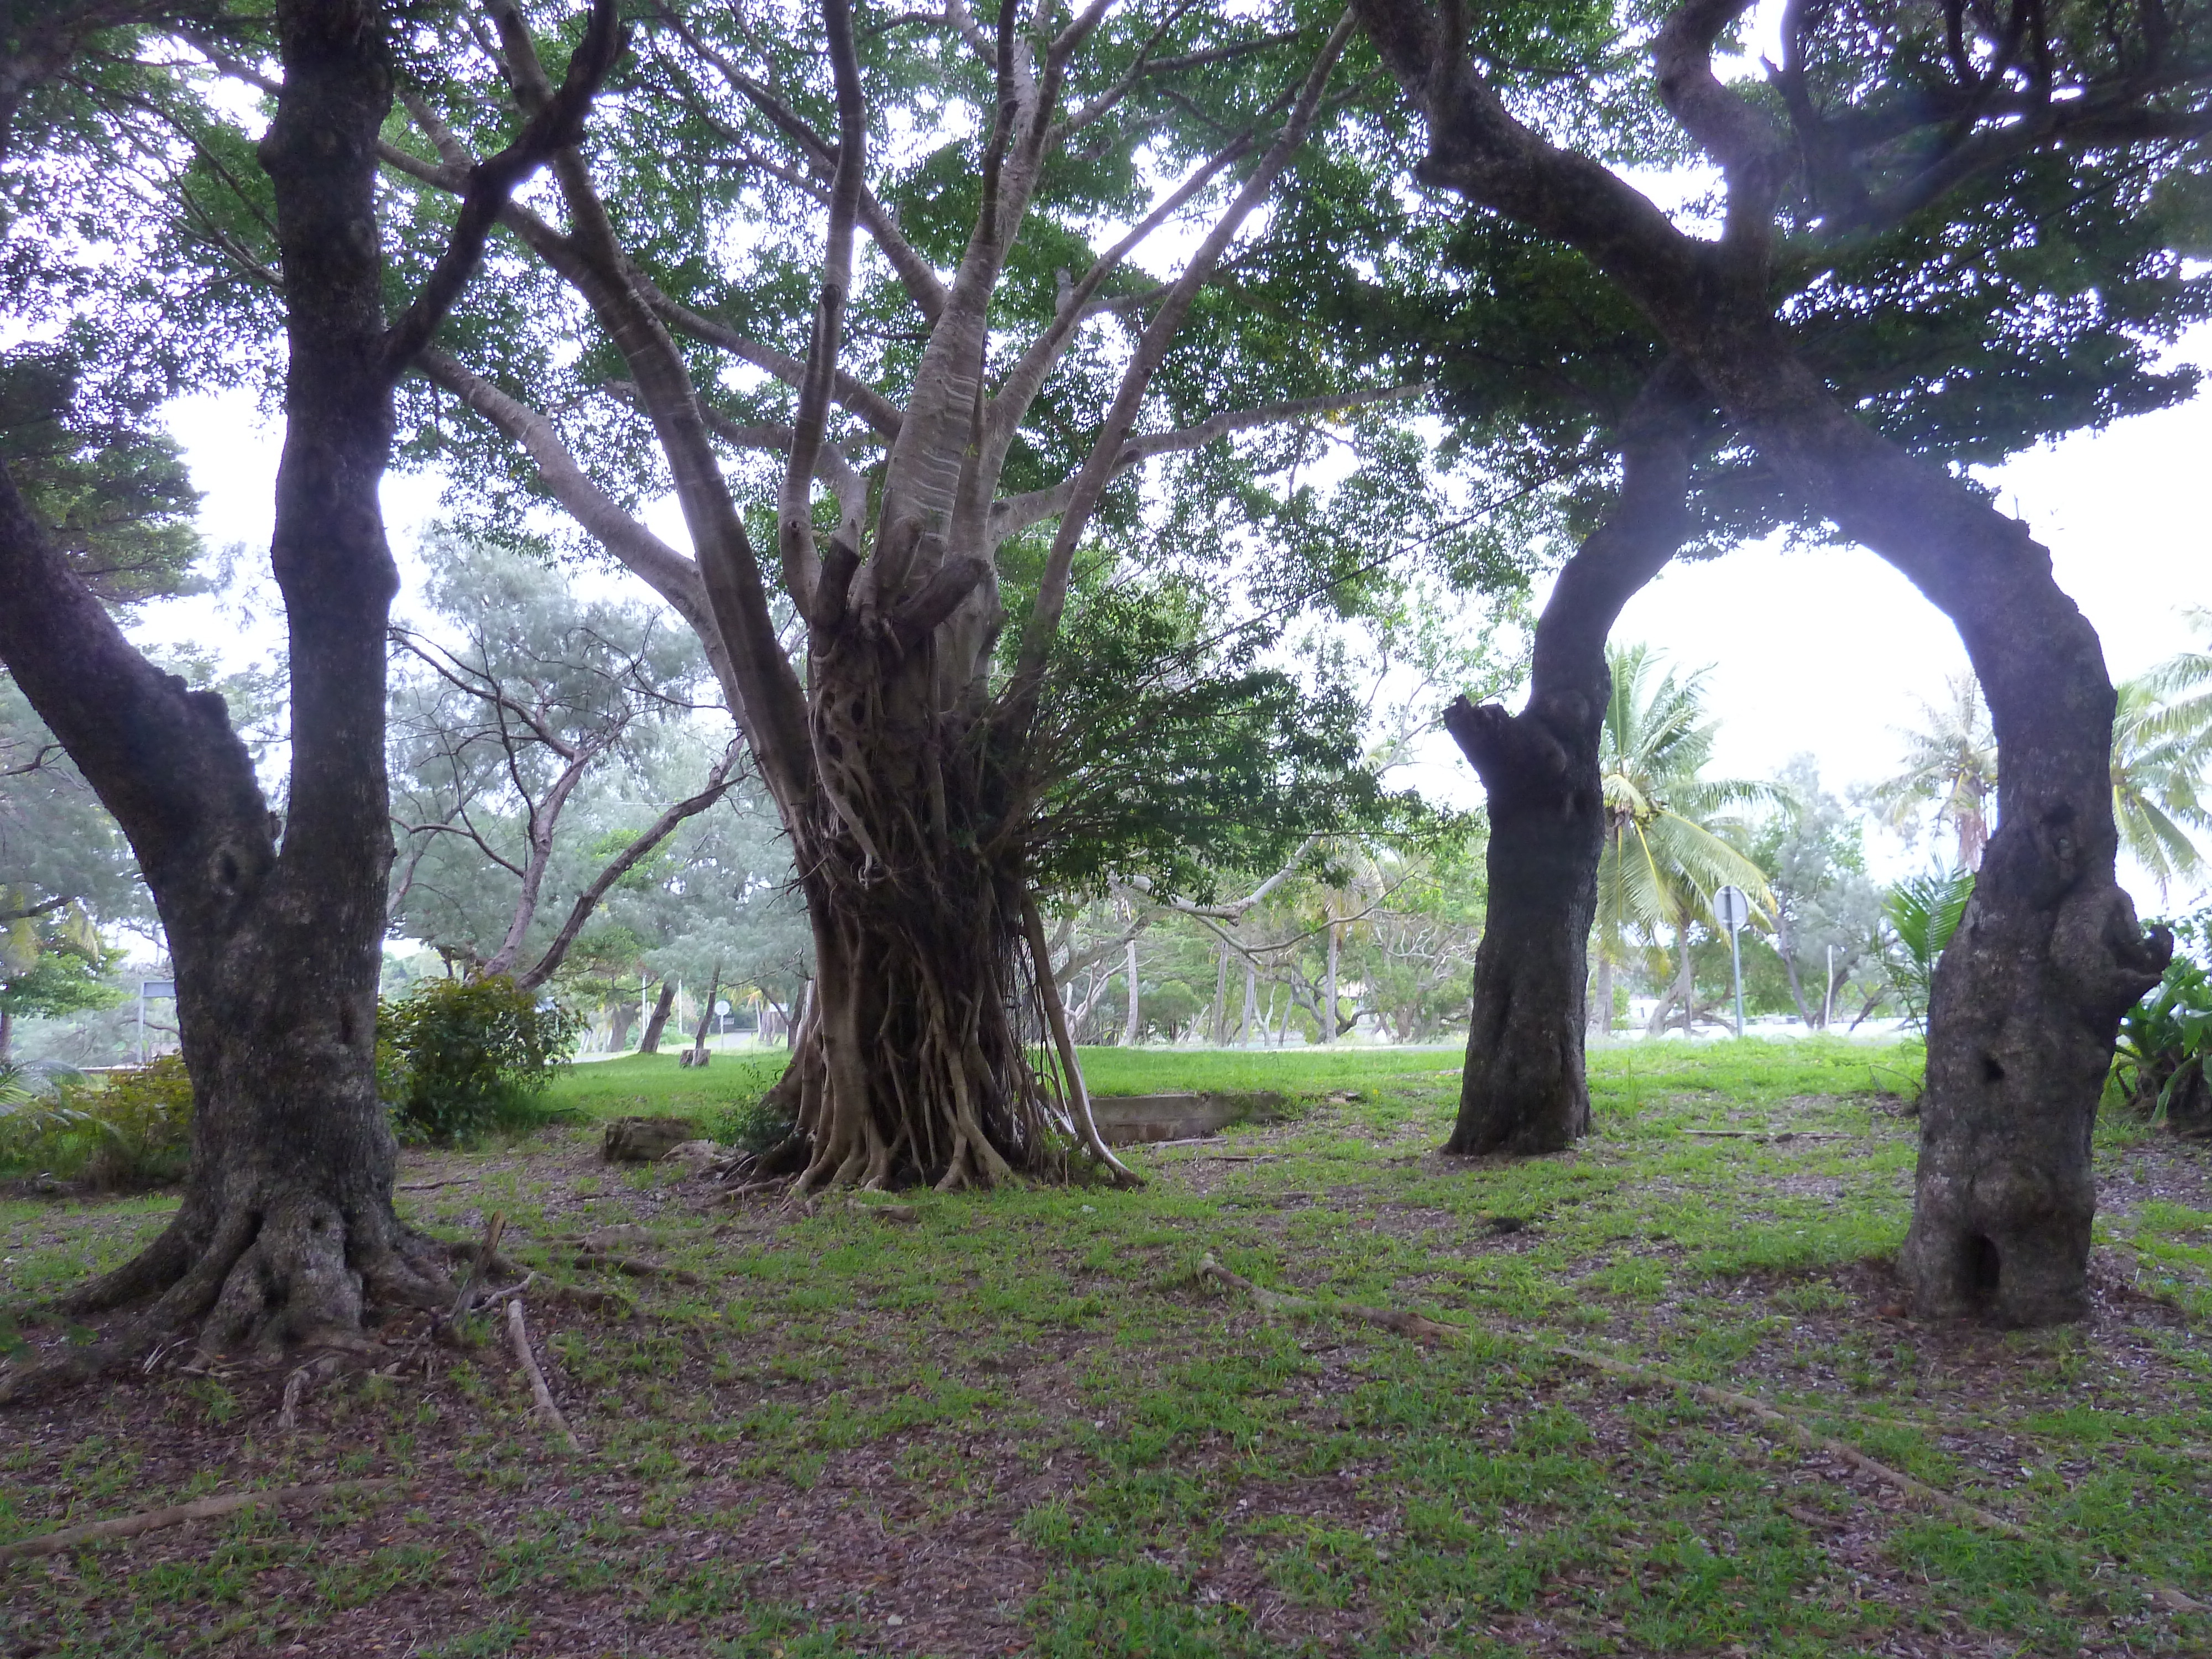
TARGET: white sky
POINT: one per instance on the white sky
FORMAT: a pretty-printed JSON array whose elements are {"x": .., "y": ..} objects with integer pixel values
[{"x": 1824, "y": 653}]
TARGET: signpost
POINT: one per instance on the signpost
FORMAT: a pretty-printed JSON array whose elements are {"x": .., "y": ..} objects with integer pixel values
[
  {"x": 1732, "y": 909},
  {"x": 157, "y": 988}
]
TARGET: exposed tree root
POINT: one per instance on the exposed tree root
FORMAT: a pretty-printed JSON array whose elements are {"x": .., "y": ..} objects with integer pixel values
[
  {"x": 200, "y": 1508},
  {"x": 517, "y": 1337},
  {"x": 1390, "y": 1319},
  {"x": 297, "y": 1272},
  {"x": 1430, "y": 1330}
]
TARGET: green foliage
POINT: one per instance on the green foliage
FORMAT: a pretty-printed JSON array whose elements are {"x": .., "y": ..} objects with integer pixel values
[
  {"x": 2159, "y": 1059},
  {"x": 751, "y": 1126},
  {"x": 474, "y": 1056},
  {"x": 1923, "y": 911},
  {"x": 130, "y": 1128}
]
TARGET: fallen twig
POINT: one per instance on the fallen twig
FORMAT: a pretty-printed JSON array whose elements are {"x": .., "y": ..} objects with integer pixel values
[
  {"x": 432, "y": 1186},
  {"x": 1390, "y": 1319},
  {"x": 518, "y": 1336},
  {"x": 1770, "y": 1135},
  {"x": 200, "y": 1508}
]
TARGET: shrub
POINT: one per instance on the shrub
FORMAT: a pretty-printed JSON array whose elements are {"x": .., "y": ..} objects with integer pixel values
[
  {"x": 472, "y": 1056},
  {"x": 754, "y": 1126},
  {"x": 2158, "y": 1065},
  {"x": 131, "y": 1129}
]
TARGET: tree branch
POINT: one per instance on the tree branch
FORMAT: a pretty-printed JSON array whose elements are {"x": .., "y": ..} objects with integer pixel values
[{"x": 555, "y": 125}]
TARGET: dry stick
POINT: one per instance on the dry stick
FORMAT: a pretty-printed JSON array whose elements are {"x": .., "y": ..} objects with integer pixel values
[
  {"x": 1410, "y": 1324},
  {"x": 200, "y": 1508},
  {"x": 487, "y": 1253},
  {"x": 518, "y": 1335},
  {"x": 1770, "y": 1135},
  {"x": 432, "y": 1185}
]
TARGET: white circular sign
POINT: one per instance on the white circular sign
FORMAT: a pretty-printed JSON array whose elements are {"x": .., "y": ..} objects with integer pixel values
[
  {"x": 1731, "y": 908},
  {"x": 723, "y": 1009}
]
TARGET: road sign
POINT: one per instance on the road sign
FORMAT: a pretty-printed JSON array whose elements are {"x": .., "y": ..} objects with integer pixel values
[{"x": 1731, "y": 908}]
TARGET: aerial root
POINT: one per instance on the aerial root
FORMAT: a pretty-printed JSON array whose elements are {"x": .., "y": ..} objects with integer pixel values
[
  {"x": 1430, "y": 1331},
  {"x": 517, "y": 1337}
]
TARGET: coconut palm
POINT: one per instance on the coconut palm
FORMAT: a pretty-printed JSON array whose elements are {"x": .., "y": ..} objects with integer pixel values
[
  {"x": 1666, "y": 847},
  {"x": 1951, "y": 764},
  {"x": 2159, "y": 751}
]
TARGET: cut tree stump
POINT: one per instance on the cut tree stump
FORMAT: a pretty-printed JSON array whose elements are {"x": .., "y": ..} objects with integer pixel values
[{"x": 645, "y": 1139}]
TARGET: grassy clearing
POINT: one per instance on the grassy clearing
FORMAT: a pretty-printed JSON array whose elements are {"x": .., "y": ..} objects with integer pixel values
[{"x": 1018, "y": 1422}]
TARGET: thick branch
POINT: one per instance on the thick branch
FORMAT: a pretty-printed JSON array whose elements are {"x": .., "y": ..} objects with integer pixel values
[
  {"x": 555, "y": 125},
  {"x": 1104, "y": 460}
]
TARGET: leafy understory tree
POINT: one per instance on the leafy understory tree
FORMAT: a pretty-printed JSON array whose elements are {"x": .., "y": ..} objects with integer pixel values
[{"x": 522, "y": 703}]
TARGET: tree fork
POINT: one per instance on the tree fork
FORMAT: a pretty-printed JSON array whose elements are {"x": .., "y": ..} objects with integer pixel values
[{"x": 1524, "y": 1089}]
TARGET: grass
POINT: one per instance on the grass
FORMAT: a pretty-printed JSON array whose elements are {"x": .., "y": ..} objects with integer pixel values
[{"x": 1020, "y": 1423}]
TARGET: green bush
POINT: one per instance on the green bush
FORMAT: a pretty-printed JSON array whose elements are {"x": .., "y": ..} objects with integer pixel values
[
  {"x": 753, "y": 1126},
  {"x": 466, "y": 1057},
  {"x": 130, "y": 1128},
  {"x": 2158, "y": 1065}
]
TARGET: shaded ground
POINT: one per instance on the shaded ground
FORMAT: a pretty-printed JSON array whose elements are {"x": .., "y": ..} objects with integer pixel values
[{"x": 1020, "y": 1424}]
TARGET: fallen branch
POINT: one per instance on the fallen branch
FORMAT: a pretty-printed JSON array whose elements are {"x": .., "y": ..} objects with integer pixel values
[
  {"x": 200, "y": 1508},
  {"x": 518, "y": 1336},
  {"x": 1390, "y": 1319},
  {"x": 1412, "y": 1324},
  {"x": 1770, "y": 1135},
  {"x": 432, "y": 1186}
]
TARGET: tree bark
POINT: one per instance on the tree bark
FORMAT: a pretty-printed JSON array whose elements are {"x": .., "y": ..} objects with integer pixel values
[
  {"x": 1524, "y": 1089},
  {"x": 1600, "y": 1012},
  {"x": 286, "y": 1233},
  {"x": 1130, "y": 1030},
  {"x": 1328, "y": 1021},
  {"x": 657, "y": 1022},
  {"x": 1251, "y": 1003}
]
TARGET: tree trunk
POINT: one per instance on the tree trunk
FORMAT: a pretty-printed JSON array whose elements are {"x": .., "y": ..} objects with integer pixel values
[
  {"x": 1129, "y": 1031},
  {"x": 1251, "y": 1003},
  {"x": 1216, "y": 1027},
  {"x": 657, "y": 1022},
  {"x": 285, "y": 1232},
  {"x": 1524, "y": 1089},
  {"x": 1600, "y": 1013},
  {"x": 696, "y": 1055},
  {"x": 7, "y": 1033},
  {"x": 1328, "y": 1021},
  {"x": 625, "y": 1016}
]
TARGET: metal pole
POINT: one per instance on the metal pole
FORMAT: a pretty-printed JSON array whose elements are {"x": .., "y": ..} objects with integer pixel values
[
  {"x": 1736, "y": 962},
  {"x": 1828, "y": 990}
]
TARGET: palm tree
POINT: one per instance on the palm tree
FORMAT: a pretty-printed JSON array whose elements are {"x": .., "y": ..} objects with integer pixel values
[
  {"x": 1953, "y": 764},
  {"x": 2159, "y": 750},
  {"x": 1665, "y": 854}
]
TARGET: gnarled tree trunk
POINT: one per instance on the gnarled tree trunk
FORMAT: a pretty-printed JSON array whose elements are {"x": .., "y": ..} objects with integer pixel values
[
  {"x": 2029, "y": 994},
  {"x": 286, "y": 1233},
  {"x": 1524, "y": 1089}
]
